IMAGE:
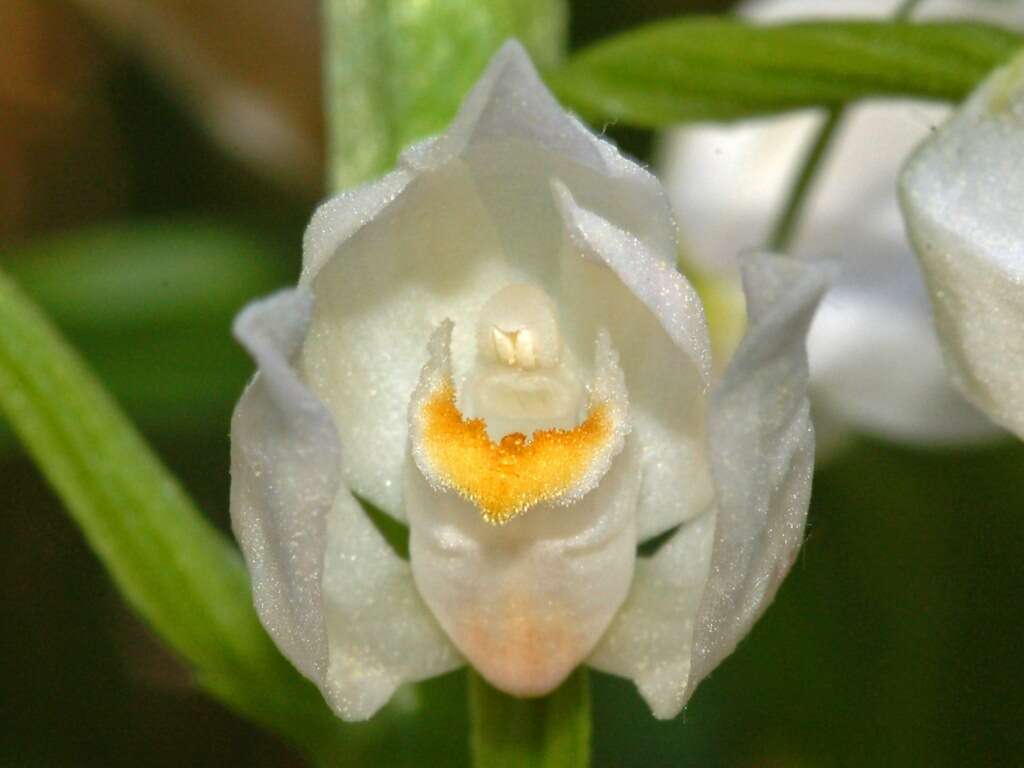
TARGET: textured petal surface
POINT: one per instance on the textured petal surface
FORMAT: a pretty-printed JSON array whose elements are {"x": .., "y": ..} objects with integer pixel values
[
  {"x": 527, "y": 600},
  {"x": 963, "y": 198},
  {"x": 693, "y": 601},
  {"x": 510, "y": 125},
  {"x": 343, "y": 215},
  {"x": 337, "y": 600},
  {"x": 380, "y": 632},
  {"x": 656, "y": 320},
  {"x": 728, "y": 184},
  {"x": 284, "y": 479},
  {"x": 465, "y": 215},
  {"x": 762, "y": 448},
  {"x": 651, "y": 639}
]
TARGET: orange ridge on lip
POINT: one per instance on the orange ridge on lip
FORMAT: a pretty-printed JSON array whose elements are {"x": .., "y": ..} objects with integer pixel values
[{"x": 505, "y": 479}]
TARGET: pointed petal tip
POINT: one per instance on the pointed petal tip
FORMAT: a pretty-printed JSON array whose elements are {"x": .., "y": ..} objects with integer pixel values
[
  {"x": 768, "y": 277},
  {"x": 277, "y": 321}
]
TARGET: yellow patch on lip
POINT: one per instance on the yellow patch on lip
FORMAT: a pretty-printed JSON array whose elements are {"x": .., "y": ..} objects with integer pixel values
[{"x": 506, "y": 478}]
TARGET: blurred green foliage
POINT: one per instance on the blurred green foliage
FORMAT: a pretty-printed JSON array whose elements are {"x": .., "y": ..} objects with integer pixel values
[
  {"x": 893, "y": 642},
  {"x": 150, "y": 305},
  {"x": 716, "y": 68},
  {"x": 396, "y": 71}
]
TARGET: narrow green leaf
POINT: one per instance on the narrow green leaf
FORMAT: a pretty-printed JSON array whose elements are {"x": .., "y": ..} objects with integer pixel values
[
  {"x": 173, "y": 567},
  {"x": 149, "y": 305},
  {"x": 551, "y": 732},
  {"x": 722, "y": 68},
  {"x": 396, "y": 70}
]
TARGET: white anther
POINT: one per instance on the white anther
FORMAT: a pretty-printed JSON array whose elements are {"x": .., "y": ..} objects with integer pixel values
[
  {"x": 526, "y": 356},
  {"x": 522, "y": 381},
  {"x": 504, "y": 346},
  {"x": 518, "y": 327}
]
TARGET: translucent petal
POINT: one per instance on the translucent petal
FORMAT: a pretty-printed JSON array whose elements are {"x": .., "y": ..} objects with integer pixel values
[
  {"x": 651, "y": 639},
  {"x": 527, "y": 600},
  {"x": 466, "y": 214},
  {"x": 380, "y": 632},
  {"x": 762, "y": 449},
  {"x": 656, "y": 321},
  {"x": 337, "y": 600},
  {"x": 694, "y": 600},
  {"x": 963, "y": 199},
  {"x": 343, "y": 215},
  {"x": 510, "y": 128},
  {"x": 284, "y": 479},
  {"x": 699, "y": 594}
]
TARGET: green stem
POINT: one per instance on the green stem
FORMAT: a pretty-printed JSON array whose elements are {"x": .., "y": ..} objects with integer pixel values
[
  {"x": 906, "y": 8},
  {"x": 550, "y": 732},
  {"x": 785, "y": 227}
]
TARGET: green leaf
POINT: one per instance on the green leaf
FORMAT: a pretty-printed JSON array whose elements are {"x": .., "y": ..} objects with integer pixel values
[
  {"x": 150, "y": 306},
  {"x": 551, "y": 732},
  {"x": 723, "y": 69},
  {"x": 172, "y": 566},
  {"x": 398, "y": 69}
]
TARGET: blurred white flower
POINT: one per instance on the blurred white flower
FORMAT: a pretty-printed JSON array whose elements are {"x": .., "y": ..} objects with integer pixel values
[
  {"x": 875, "y": 363},
  {"x": 963, "y": 199},
  {"x": 493, "y": 345}
]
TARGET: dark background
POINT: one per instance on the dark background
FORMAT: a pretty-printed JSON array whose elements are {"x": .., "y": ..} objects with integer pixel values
[{"x": 895, "y": 641}]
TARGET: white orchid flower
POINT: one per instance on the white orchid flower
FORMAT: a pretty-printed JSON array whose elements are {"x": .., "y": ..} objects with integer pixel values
[
  {"x": 492, "y": 344},
  {"x": 963, "y": 198},
  {"x": 876, "y": 366}
]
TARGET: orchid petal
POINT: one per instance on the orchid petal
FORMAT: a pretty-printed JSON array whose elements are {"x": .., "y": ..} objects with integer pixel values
[
  {"x": 762, "y": 449},
  {"x": 963, "y": 200},
  {"x": 656, "y": 320},
  {"x": 465, "y": 214},
  {"x": 651, "y": 639},
  {"x": 693, "y": 601},
  {"x": 360, "y": 630},
  {"x": 380, "y": 632},
  {"x": 527, "y": 600},
  {"x": 876, "y": 362},
  {"x": 284, "y": 479}
]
